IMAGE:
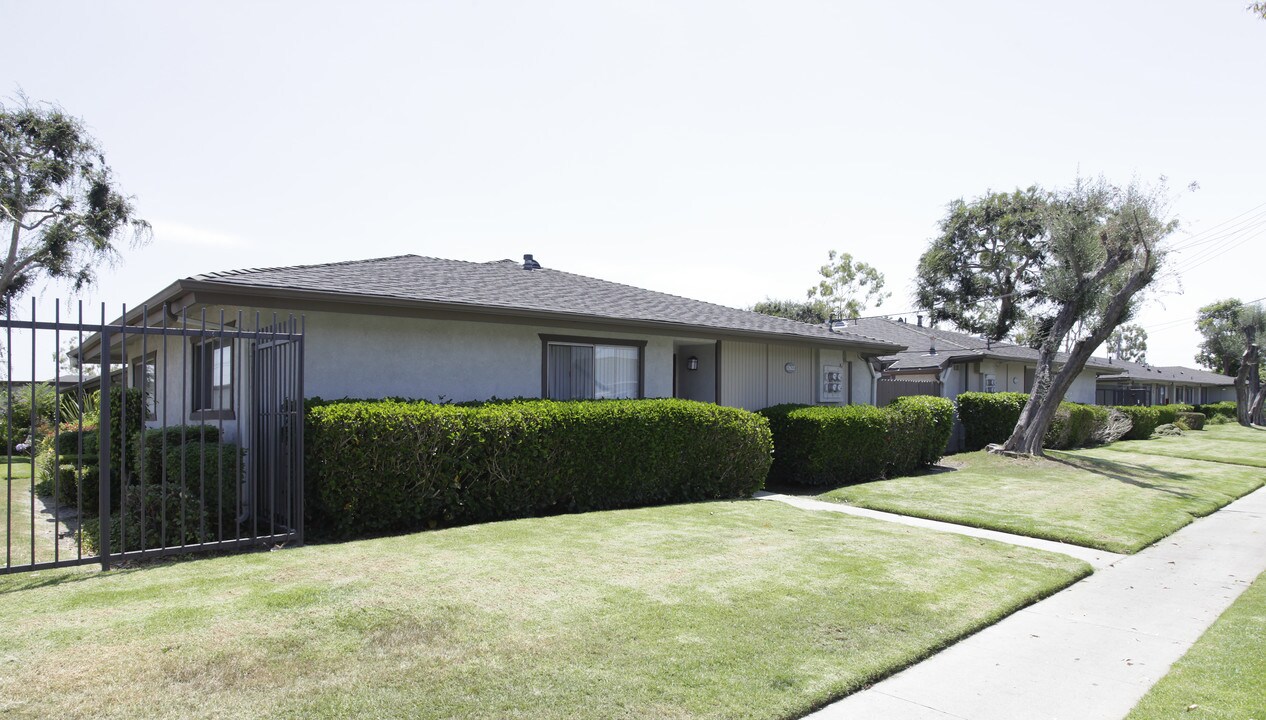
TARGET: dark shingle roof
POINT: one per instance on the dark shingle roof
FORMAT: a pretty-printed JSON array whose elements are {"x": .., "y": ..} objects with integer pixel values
[
  {"x": 505, "y": 284},
  {"x": 950, "y": 346},
  {"x": 1167, "y": 374}
]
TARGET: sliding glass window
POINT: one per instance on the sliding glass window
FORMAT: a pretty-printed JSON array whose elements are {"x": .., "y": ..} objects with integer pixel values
[{"x": 583, "y": 371}]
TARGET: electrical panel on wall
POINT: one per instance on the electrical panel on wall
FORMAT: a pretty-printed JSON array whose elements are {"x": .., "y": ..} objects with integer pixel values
[{"x": 831, "y": 389}]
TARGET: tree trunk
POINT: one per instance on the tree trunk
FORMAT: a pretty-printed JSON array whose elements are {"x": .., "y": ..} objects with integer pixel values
[
  {"x": 1049, "y": 390},
  {"x": 1244, "y": 385}
]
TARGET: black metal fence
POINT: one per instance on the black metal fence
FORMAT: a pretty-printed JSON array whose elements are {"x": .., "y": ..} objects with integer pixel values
[{"x": 167, "y": 434}]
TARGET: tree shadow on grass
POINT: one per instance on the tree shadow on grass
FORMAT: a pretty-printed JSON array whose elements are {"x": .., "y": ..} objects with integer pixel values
[
  {"x": 1128, "y": 473},
  {"x": 811, "y": 491},
  {"x": 20, "y": 582}
]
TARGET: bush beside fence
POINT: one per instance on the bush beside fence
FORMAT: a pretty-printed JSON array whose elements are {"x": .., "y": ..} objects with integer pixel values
[
  {"x": 392, "y": 466},
  {"x": 829, "y": 445}
]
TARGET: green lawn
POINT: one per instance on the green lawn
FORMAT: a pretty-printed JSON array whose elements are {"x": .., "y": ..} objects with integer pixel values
[
  {"x": 1217, "y": 443},
  {"x": 715, "y": 610},
  {"x": 15, "y": 529},
  {"x": 1224, "y": 673},
  {"x": 1120, "y": 498}
]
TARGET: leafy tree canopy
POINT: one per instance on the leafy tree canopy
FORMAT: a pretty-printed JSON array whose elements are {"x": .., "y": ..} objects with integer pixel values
[
  {"x": 848, "y": 286},
  {"x": 60, "y": 209},
  {"x": 1128, "y": 343},
  {"x": 1101, "y": 248},
  {"x": 814, "y": 312},
  {"x": 982, "y": 271},
  {"x": 1221, "y": 327}
]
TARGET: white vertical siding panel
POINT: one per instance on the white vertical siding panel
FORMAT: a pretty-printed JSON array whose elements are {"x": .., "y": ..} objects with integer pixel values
[
  {"x": 744, "y": 380},
  {"x": 785, "y": 387}
]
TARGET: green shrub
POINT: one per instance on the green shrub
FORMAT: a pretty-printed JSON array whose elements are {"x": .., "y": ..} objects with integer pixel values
[
  {"x": 74, "y": 478},
  {"x": 989, "y": 417},
  {"x": 921, "y": 422},
  {"x": 1074, "y": 425},
  {"x": 821, "y": 445},
  {"x": 1226, "y": 409},
  {"x": 1169, "y": 413},
  {"x": 15, "y": 411},
  {"x": 1191, "y": 420},
  {"x": 71, "y": 439},
  {"x": 389, "y": 466},
  {"x": 149, "y": 444},
  {"x": 121, "y": 436},
  {"x": 1145, "y": 420},
  {"x": 204, "y": 508},
  {"x": 832, "y": 445}
]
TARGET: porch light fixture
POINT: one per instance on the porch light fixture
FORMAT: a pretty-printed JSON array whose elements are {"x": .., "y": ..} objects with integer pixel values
[{"x": 692, "y": 363}]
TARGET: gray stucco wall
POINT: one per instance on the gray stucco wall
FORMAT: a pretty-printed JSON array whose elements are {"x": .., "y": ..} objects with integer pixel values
[{"x": 376, "y": 356}]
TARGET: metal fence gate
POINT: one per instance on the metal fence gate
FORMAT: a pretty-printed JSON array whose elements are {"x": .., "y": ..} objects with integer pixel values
[{"x": 158, "y": 433}]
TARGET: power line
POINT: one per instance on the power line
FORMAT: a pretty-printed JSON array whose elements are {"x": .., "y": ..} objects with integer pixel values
[
  {"x": 1169, "y": 323},
  {"x": 1210, "y": 229}
]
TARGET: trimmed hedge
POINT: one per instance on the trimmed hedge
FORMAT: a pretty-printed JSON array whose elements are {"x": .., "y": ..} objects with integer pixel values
[
  {"x": 1191, "y": 420},
  {"x": 1145, "y": 419},
  {"x": 391, "y": 466},
  {"x": 922, "y": 423},
  {"x": 831, "y": 445},
  {"x": 1074, "y": 425},
  {"x": 991, "y": 417},
  {"x": 1169, "y": 413},
  {"x": 820, "y": 445},
  {"x": 1226, "y": 409}
]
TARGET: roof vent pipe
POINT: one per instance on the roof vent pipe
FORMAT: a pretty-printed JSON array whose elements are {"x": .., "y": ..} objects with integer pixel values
[{"x": 530, "y": 264}]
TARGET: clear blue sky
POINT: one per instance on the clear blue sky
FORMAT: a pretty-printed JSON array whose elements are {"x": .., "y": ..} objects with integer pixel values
[{"x": 716, "y": 150}]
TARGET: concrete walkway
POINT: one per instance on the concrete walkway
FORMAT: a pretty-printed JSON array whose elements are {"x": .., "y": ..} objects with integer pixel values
[
  {"x": 1091, "y": 651},
  {"x": 1098, "y": 559}
]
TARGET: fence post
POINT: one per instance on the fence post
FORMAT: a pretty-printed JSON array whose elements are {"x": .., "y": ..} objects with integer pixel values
[{"x": 103, "y": 505}]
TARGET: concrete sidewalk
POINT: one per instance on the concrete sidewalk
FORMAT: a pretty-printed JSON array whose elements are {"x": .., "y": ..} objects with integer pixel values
[
  {"x": 1092, "y": 650},
  {"x": 1098, "y": 559}
]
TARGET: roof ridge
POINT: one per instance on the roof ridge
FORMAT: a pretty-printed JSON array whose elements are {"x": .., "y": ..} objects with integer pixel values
[
  {"x": 249, "y": 271},
  {"x": 696, "y": 300}
]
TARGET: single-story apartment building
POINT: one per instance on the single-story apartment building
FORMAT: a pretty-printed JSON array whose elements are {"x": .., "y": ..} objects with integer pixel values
[
  {"x": 1142, "y": 384},
  {"x": 451, "y": 330},
  {"x": 961, "y": 363}
]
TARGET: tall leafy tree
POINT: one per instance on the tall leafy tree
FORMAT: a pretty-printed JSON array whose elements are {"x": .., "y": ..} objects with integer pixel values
[
  {"x": 814, "y": 312},
  {"x": 981, "y": 273},
  {"x": 1102, "y": 246},
  {"x": 848, "y": 286},
  {"x": 1129, "y": 343},
  {"x": 60, "y": 209},
  {"x": 1222, "y": 335}
]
